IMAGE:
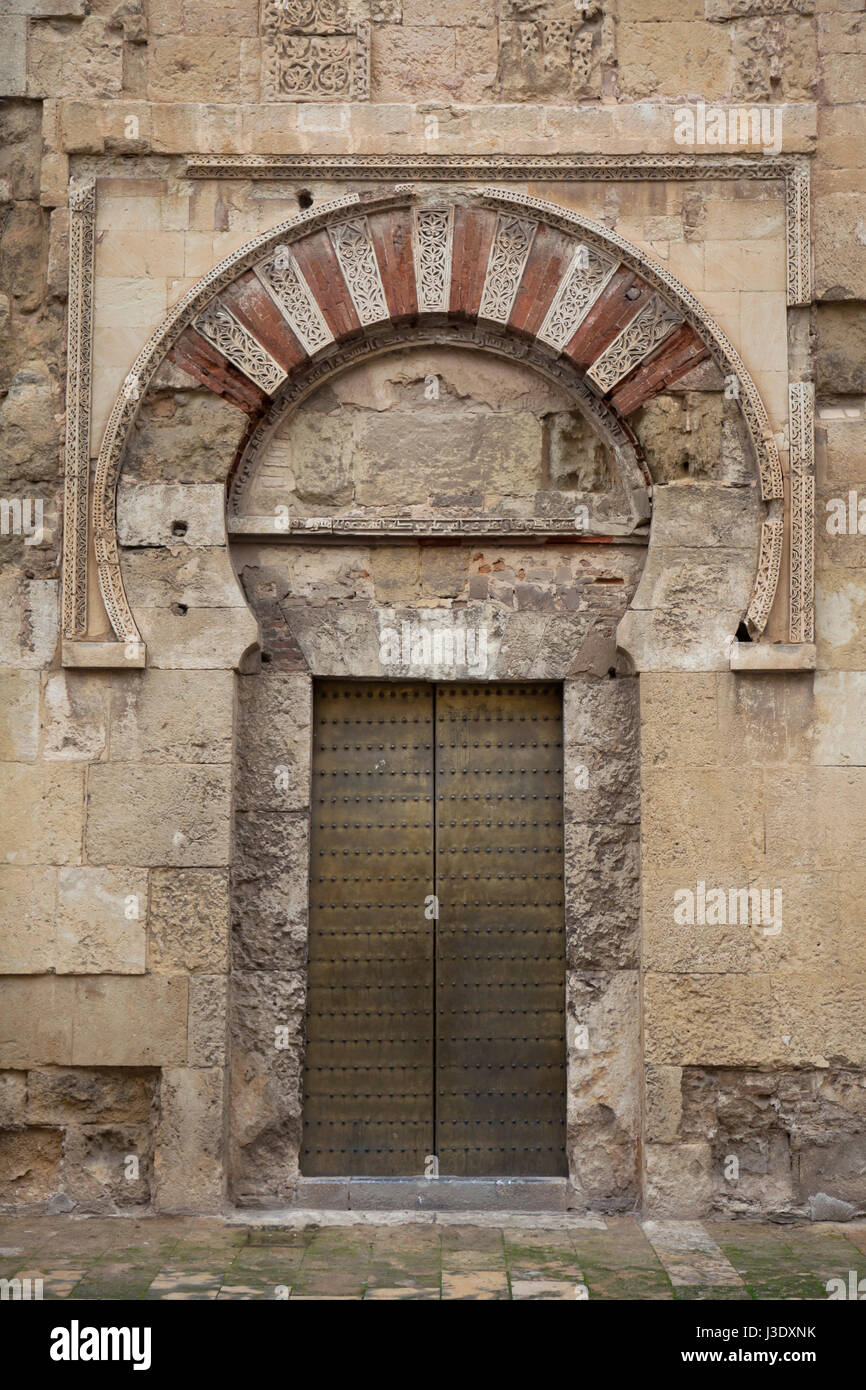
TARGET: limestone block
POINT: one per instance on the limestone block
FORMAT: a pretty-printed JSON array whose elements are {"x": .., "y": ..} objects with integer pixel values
[
  {"x": 697, "y": 820},
  {"x": 840, "y": 360},
  {"x": 602, "y": 786},
  {"x": 85, "y": 60},
  {"x": 81, "y": 1095},
  {"x": 840, "y": 250},
  {"x": 653, "y": 56},
  {"x": 101, "y": 922},
  {"x": 28, "y": 902},
  {"x": 816, "y": 817},
  {"x": 196, "y": 426},
  {"x": 168, "y": 815},
  {"x": 840, "y": 730},
  {"x": 664, "y": 1104},
  {"x": 180, "y": 64},
  {"x": 173, "y": 716},
  {"x": 274, "y": 746},
  {"x": 37, "y": 1014},
  {"x": 13, "y": 1097},
  {"x": 171, "y": 514},
  {"x": 678, "y": 719},
  {"x": 840, "y": 615},
  {"x": 130, "y": 1022},
  {"x": 188, "y": 1168},
  {"x": 455, "y": 453},
  {"x": 28, "y": 621},
  {"x": 603, "y": 1032},
  {"x": 410, "y": 63},
  {"x": 19, "y": 716},
  {"x": 189, "y": 920},
  {"x": 157, "y": 578},
  {"x": 29, "y": 1164},
  {"x": 678, "y": 1180},
  {"x": 602, "y": 903},
  {"x": 13, "y": 56},
  {"x": 674, "y": 946},
  {"x": 43, "y": 813},
  {"x": 208, "y": 1020},
  {"x": 822, "y": 1016},
  {"x": 839, "y": 448},
  {"x": 197, "y": 639},
  {"x": 710, "y": 1020},
  {"x": 96, "y": 1172},
  {"x": 74, "y": 716},
  {"x": 270, "y": 887},
  {"x": 266, "y": 1079},
  {"x": 768, "y": 717}
]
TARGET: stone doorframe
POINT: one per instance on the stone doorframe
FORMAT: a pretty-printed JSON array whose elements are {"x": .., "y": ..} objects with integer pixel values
[{"x": 362, "y": 273}]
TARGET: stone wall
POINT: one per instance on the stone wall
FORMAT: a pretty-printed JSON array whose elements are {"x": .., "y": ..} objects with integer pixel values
[{"x": 130, "y": 796}]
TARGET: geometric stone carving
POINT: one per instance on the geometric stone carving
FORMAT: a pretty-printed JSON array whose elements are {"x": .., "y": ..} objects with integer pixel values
[
  {"x": 801, "y": 426},
  {"x": 311, "y": 51},
  {"x": 82, "y": 218},
  {"x": 433, "y": 243},
  {"x": 284, "y": 280},
  {"x": 801, "y": 433},
  {"x": 767, "y": 580},
  {"x": 508, "y": 256},
  {"x": 357, "y": 257},
  {"x": 582, "y": 283},
  {"x": 650, "y": 327},
  {"x": 798, "y": 219},
  {"x": 235, "y": 342}
]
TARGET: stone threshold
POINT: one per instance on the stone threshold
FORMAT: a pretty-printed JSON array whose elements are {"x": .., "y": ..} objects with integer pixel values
[{"x": 411, "y": 1195}]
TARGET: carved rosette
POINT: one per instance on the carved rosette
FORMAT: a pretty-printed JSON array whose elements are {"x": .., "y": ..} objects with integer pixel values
[{"x": 312, "y": 51}]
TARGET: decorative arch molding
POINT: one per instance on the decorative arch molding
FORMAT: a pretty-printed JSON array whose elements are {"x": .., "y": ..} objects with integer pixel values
[{"x": 514, "y": 274}]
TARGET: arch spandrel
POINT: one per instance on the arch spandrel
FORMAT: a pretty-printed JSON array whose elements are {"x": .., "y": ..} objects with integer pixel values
[{"x": 497, "y": 270}]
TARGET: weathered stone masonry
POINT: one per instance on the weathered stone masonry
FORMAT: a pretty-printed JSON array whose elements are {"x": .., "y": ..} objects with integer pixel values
[{"x": 152, "y": 877}]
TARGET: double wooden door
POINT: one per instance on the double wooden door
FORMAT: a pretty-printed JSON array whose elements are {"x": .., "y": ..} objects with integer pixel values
[{"x": 435, "y": 1018}]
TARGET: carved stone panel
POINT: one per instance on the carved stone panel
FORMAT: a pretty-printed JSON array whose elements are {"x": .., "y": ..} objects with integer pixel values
[
  {"x": 235, "y": 342},
  {"x": 314, "y": 50},
  {"x": 649, "y": 328},
  {"x": 508, "y": 256}
]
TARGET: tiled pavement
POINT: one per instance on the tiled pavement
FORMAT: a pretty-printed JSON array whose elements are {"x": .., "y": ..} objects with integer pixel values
[{"x": 447, "y": 1257}]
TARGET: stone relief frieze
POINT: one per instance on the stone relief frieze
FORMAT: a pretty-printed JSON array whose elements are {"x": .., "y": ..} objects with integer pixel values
[
  {"x": 801, "y": 430},
  {"x": 82, "y": 218}
]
